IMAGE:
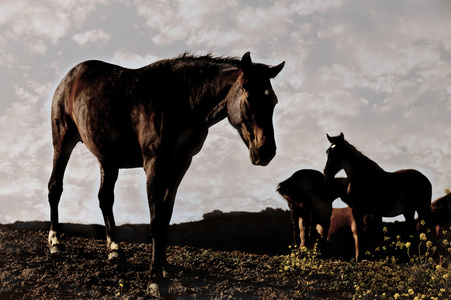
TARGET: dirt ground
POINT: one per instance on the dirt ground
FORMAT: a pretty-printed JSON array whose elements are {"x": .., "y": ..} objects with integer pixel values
[{"x": 82, "y": 271}]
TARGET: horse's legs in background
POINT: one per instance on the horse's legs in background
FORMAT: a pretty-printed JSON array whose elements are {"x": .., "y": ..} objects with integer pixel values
[
  {"x": 359, "y": 241},
  {"x": 64, "y": 141},
  {"x": 295, "y": 223},
  {"x": 411, "y": 225},
  {"x": 108, "y": 177},
  {"x": 322, "y": 228},
  {"x": 356, "y": 237},
  {"x": 376, "y": 233},
  {"x": 304, "y": 231}
]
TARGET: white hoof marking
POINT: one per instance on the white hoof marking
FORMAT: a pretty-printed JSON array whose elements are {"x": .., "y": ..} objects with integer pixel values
[{"x": 153, "y": 290}]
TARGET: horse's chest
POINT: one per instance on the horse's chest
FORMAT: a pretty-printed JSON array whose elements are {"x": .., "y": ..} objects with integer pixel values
[{"x": 190, "y": 139}]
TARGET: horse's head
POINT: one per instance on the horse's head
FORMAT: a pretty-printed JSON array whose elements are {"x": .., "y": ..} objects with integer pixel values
[
  {"x": 335, "y": 154},
  {"x": 251, "y": 108}
]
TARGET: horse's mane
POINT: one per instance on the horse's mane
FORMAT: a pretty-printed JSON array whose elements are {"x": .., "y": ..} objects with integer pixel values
[
  {"x": 207, "y": 58},
  {"x": 361, "y": 159}
]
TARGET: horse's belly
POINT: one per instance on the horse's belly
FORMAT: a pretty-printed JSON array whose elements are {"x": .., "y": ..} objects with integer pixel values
[{"x": 120, "y": 153}]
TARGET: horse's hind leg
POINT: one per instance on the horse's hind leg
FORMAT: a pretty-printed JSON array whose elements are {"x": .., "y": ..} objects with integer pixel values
[
  {"x": 64, "y": 140},
  {"x": 106, "y": 200}
]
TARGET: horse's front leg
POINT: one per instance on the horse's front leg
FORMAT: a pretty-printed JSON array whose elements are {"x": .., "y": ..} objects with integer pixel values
[
  {"x": 358, "y": 233},
  {"x": 304, "y": 231},
  {"x": 294, "y": 215},
  {"x": 108, "y": 177},
  {"x": 322, "y": 228},
  {"x": 163, "y": 179}
]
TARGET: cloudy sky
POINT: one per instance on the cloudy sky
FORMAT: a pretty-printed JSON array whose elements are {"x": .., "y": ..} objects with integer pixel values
[{"x": 378, "y": 71}]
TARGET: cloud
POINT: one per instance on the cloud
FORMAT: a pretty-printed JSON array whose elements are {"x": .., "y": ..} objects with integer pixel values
[
  {"x": 97, "y": 36},
  {"x": 376, "y": 70},
  {"x": 133, "y": 60},
  {"x": 308, "y": 7}
]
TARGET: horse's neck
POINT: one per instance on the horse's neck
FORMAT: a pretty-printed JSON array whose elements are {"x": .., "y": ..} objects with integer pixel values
[
  {"x": 359, "y": 166},
  {"x": 223, "y": 91}
]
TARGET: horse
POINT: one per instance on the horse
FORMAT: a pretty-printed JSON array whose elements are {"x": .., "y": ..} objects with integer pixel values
[
  {"x": 156, "y": 117},
  {"x": 310, "y": 204},
  {"x": 441, "y": 220},
  {"x": 441, "y": 213},
  {"x": 374, "y": 192}
]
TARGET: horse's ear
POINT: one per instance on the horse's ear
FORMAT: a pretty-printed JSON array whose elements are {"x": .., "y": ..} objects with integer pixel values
[
  {"x": 246, "y": 62},
  {"x": 329, "y": 138},
  {"x": 273, "y": 71},
  {"x": 334, "y": 139}
]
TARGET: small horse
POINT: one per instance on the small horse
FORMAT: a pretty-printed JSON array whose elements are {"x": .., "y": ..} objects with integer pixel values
[
  {"x": 373, "y": 191},
  {"x": 156, "y": 117},
  {"x": 310, "y": 203},
  {"x": 309, "y": 196}
]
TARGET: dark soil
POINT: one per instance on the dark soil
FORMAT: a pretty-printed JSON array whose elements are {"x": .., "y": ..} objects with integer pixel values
[{"x": 224, "y": 256}]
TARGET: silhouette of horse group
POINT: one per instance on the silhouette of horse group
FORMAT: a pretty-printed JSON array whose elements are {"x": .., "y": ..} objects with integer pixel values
[
  {"x": 368, "y": 190},
  {"x": 157, "y": 117}
]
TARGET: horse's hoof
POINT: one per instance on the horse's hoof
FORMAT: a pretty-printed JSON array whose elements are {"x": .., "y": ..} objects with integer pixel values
[
  {"x": 56, "y": 248},
  {"x": 153, "y": 290},
  {"x": 113, "y": 256}
]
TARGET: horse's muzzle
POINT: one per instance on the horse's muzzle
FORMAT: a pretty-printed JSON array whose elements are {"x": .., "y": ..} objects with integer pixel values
[{"x": 262, "y": 155}]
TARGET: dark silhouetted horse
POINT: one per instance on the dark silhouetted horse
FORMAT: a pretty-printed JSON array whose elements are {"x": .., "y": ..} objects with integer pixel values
[
  {"x": 309, "y": 196},
  {"x": 310, "y": 204},
  {"x": 373, "y": 191},
  {"x": 156, "y": 117},
  {"x": 441, "y": 220}
]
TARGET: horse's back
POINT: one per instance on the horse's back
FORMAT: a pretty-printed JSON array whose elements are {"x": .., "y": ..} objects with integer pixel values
[
  {"x": 415, "y": 183},
  {"x": 308, "y": 181}
]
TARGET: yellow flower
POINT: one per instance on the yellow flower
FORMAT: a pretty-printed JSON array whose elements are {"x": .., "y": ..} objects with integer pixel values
[
  {"x": 286, "y": 268},
  {"x": 411, "y": 292},
  {"x": 429, "y": 244},
  {"x": 422, "y": 222},
  {"x": 445, "y": 276},
  {"x": 396, "y": 296},
  {"x": 384, "y": 229},
  {"x": 438, "y": 267},
  {"x": 445, "y": 231},
  {"x": 408, "y": 245},
  {"x": 442, "y": 290},
  {"x": 445, "y": 242},
  {"x": 423, "y": 237}
]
